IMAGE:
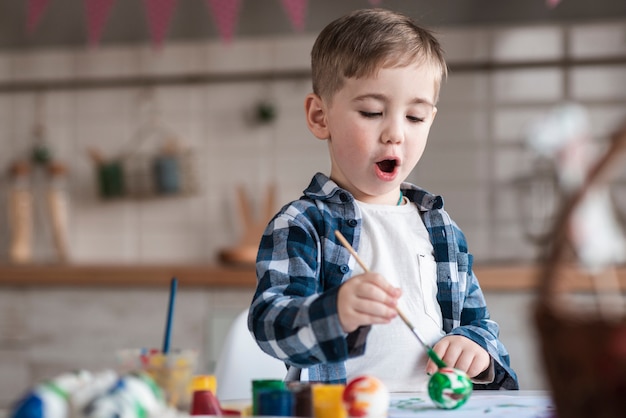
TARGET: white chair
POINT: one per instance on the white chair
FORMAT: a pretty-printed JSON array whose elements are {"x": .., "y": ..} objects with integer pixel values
[{"x": 241, "y": 361}]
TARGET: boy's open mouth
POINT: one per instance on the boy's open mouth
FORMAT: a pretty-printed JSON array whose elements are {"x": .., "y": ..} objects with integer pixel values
[{"x": 387, "y": 166}]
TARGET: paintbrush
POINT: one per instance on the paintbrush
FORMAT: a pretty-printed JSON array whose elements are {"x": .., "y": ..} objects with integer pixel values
[
  {"x": 170, "y": 316},
  {"x": 431, "y": 353}
]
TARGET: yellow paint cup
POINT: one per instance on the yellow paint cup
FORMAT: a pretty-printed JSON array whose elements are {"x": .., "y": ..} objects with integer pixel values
[{"x": 328, "y": 401}]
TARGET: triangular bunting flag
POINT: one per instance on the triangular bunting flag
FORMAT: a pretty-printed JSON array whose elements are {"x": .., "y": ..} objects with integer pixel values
[
  {"x": 96, "y": 14},
  {"x": 225, "y": 14},
  {"x": 159, "y": 14},
  {"x": 296, "y": 10},
  {"x": 34, "y": 12}
]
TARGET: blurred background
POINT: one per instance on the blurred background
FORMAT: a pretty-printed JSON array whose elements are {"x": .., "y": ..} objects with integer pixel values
[{"x": 149, "y": 124}]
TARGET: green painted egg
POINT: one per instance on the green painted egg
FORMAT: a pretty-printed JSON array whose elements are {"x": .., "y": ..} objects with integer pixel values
[{"x": 449, "y": 388}]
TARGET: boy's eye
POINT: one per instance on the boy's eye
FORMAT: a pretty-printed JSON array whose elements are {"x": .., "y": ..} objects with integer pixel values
[
  {"x": 415, "y": 118},
  {"x": 370, "y": 114}
]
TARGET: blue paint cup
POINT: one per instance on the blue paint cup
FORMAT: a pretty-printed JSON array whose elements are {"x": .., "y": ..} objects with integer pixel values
[{"x": 275, "y": 402}]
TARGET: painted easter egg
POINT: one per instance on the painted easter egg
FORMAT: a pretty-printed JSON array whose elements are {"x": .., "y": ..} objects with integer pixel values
[
  {"x": 49, "y": 399},
  {"x": 449, "y": 388},
  {"x": 366, "y": 396}
]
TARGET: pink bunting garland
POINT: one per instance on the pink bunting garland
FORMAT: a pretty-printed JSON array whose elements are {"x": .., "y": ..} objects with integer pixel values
[
  {"x": 552, "y": 3},
  {"x": 225, "y": 14},
  {"x": 296, "y": 10},
  {"x": 159, "y": 13},
  {"x": 35, "y": 10},
  {"x": 96, "y": 13}
]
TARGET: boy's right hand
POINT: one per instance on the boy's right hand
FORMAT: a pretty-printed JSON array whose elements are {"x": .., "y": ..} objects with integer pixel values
[{"x": 366, "y": 299}]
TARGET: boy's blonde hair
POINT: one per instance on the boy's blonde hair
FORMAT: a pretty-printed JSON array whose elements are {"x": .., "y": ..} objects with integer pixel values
[{"x": 364, "y": 41}]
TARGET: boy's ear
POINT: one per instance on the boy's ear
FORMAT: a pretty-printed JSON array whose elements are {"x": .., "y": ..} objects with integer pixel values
[{"x": 316, "y": 116}]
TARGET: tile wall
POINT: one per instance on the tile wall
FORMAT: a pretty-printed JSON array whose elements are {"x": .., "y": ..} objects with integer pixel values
[
  {"x": 476, "y": 146},
  {"x": 45, "y": 332}
]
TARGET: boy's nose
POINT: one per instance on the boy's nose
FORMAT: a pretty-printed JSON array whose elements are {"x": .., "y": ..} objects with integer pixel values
[{"x": 392, "y": 133}]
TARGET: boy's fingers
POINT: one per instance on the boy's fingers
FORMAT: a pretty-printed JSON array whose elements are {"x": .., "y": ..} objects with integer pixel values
[
  {"x": 431, "y": 368},
  {"x": 375, "y": 310},
  {"x": 476, "y": 368},
  {"x": 386, "y": 286},
  {"x": 440, "y": 349},
  {"x": 464, "y": 363}
]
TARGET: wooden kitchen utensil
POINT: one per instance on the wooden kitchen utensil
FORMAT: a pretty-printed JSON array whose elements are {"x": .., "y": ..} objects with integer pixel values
[
  {"x": 58, "y": 209},
  {"x": 22, "y": 203},
  {"x": 253, "y": 226},
  {"x": 20, "y": 214}
]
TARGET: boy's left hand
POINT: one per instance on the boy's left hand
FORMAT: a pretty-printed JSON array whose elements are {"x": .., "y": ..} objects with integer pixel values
[{"x": 461, "y": 353}]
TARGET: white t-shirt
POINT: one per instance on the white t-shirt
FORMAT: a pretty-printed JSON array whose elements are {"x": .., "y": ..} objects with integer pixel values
[{"x": 395, "y": 243}]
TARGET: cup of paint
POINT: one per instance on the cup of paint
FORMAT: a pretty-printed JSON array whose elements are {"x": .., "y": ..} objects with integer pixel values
[
  {"x": 203, "y": 400},
  {"x": 275, "y": 402},
  {"x": 328, "y": 401},
  {"x": 173, "y": 372},
  {"x": 259, "y": 385},
  {"x": 302, "y": 398}
]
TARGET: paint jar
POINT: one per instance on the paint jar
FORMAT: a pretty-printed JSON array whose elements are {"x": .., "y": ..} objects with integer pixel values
[
  {"x": 263, "y": 384},
  {"x": 328, "y": 401},
  {"x": 203, "y": 400},
  {"x": 173, "y": 371},
  {"x": 302, "y": 398},
  {"x": 275, "y": 402}
]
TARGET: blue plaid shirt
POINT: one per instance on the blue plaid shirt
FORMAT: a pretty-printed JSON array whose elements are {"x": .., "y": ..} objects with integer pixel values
[{"x": 301, "y": 264}]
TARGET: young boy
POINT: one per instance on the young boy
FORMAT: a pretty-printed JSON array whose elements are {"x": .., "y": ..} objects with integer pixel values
[{"x": 376, "y": 79}]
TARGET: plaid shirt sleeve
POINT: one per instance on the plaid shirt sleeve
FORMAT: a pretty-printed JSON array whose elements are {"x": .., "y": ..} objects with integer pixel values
[
  {"x": 462, "y": 302},
  {"x": 293, "y": 315},
  {"x": 476, "y": 325}
]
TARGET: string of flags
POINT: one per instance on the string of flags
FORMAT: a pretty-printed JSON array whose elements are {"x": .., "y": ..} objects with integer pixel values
[{"x": 224, "y": 13}]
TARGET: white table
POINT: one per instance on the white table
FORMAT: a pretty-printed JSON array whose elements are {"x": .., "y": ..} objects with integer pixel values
[{"x": 490, "y": 404}]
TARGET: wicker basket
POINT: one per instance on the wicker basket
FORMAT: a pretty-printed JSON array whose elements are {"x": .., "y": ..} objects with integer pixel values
[{"x": 583, "y": 351}]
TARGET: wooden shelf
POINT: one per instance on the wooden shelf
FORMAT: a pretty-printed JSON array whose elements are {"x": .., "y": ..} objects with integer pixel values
[
  {"x": 515, "y": 278},
  {"x": 127, "y": 275},
  {"x": 505, "y": 278}
]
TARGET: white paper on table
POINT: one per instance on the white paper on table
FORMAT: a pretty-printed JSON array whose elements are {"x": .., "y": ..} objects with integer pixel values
[{"x": 496, "y": 404}]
